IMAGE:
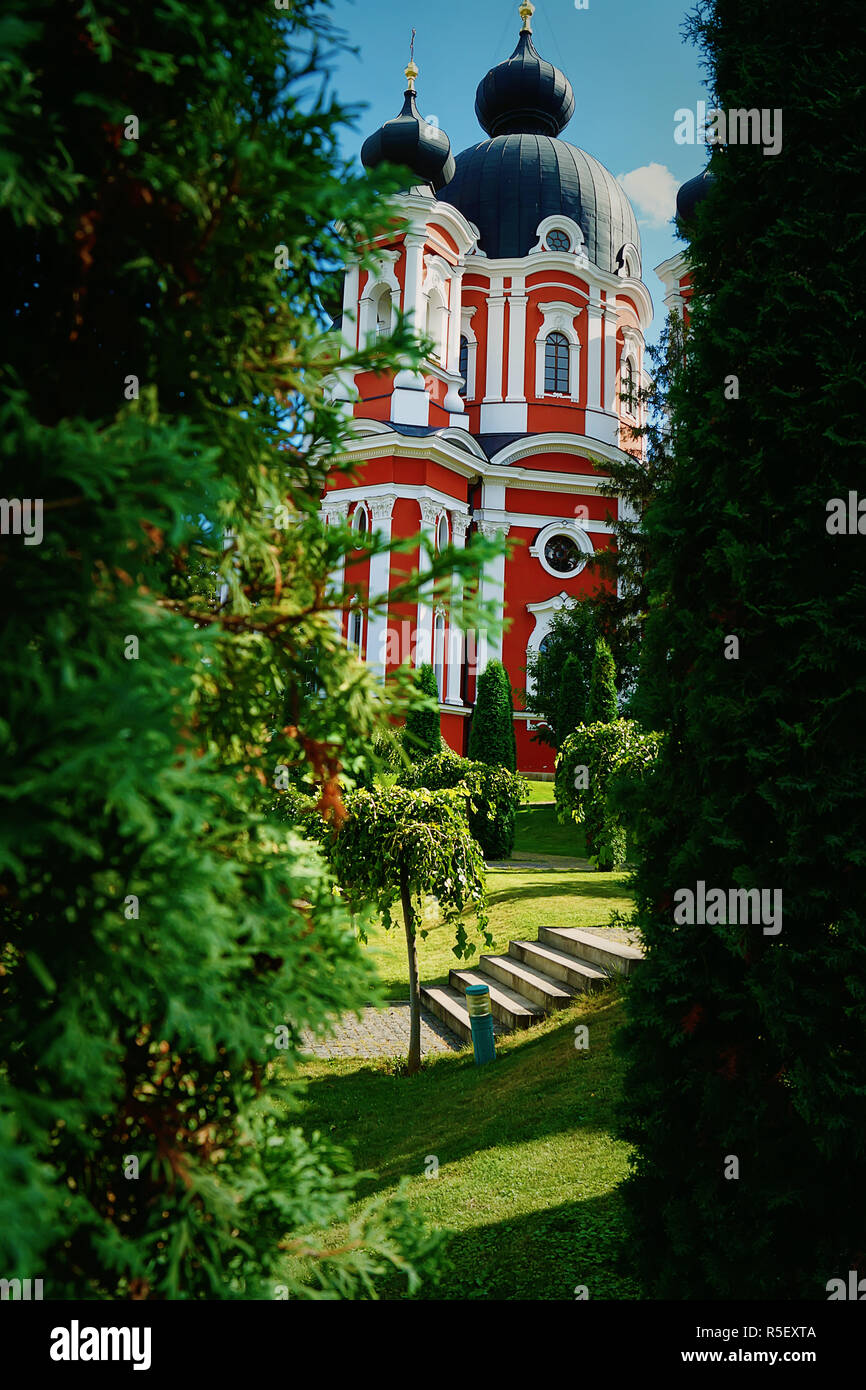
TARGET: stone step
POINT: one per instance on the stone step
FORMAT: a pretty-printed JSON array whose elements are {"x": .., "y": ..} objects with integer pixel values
[
  {"x": 559, "y": 965},
  {"x": 528, "y": 981},
  {"x": 598, "y": 950},
  {"x": 449, "y": 1005},
  {"x": 511, "y": 1008}
]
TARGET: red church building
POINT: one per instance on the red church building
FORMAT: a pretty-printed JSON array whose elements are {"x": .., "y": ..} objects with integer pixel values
[{"x": 521, "y": 260}]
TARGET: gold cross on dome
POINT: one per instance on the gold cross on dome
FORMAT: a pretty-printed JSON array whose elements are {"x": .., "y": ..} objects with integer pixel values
[{"x": 526, "y": 11}]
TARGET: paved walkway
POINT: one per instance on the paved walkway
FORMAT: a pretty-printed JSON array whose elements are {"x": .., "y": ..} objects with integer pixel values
[{"x": 383, "y": 1033}]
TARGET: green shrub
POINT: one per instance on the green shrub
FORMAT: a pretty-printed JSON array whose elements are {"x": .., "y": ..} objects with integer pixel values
[
  {"x": 595, "y": 767},
  {"x": 493, "y": 793},
  {"x": 491, "y": 734}
]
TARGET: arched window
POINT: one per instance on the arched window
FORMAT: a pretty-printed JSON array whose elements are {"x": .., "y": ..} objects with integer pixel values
[
  {"x": 556, "y": 363},
  {"x": 463, "y": 366},
  {"x": 356, "y": 629},
  {"x": 360, "y": 524},
  {"x": 442, "y": 536},
  {"x": 439, "y": 652},
  {"x": 383, "y": 316},
  {"x": 436, "y": 310},
  {"x": 629, "y": 397}
]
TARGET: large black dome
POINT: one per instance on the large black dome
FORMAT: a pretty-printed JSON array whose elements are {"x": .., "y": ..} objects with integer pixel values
[{"x": 507, "y": 185}]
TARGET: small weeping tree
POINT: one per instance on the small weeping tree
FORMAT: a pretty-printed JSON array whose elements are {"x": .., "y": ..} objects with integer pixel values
[{"x": 400, "y": 846}]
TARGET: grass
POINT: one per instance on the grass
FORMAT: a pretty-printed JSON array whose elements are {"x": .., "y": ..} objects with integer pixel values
[{"x": 528, "y": 1168}]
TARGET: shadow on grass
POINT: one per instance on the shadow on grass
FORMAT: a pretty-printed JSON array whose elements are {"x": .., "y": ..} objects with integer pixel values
[
  {"x": 555, "y": 1253},
  {"x": 560, "y": 886}
]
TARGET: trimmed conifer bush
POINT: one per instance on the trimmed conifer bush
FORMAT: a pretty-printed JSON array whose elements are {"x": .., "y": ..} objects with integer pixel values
[
  {"x": 422, "y": 736},
  {"x": 491, "y": 735},
  {"x": 571, "y": 706}
]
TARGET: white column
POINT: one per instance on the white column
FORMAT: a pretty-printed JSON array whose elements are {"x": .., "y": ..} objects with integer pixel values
[
  {"x": 424, "y": 617},
  {"x": 495, "y": 333},
  {"x": 595, "y": 314},
  {"x": 492, "y": 591},
  {"x": 349, "y": 325},
  {"x": 336, "y": 514},
  {"x": 380, "y": 575},
  {"x": 517, "y": 340},
  {"x": 459, "y": 527},
  {"x": 609, "y": 400}
]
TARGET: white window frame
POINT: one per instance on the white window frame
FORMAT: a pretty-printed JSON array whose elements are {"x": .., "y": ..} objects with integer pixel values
[
  {"x": 558, "y": 318},
  {"x": 562, "y": 528}
]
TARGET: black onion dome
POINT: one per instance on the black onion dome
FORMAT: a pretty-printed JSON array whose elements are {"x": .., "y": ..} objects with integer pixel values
[
  {"x": 693, "y": 193},
  {"x": 507, "y": 185},
  {"x": 410, "y": 141},
  {"x": 525, "y": 94}
]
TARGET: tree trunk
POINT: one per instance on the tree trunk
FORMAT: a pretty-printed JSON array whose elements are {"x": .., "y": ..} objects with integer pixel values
[{"x": 414, "y": 983}]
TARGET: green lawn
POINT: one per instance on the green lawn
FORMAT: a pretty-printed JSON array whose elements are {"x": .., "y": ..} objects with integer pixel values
[{"x": 528, "y": 1166}]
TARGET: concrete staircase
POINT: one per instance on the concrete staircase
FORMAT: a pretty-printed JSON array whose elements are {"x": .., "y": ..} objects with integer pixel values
[{"x": 533, "y": 979}]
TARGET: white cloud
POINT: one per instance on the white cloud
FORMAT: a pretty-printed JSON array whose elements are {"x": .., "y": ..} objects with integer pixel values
[{"x": 653, "y": 190}]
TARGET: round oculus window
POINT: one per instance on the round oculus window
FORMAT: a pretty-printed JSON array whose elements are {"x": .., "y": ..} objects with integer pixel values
[
  {"x": 562, "y": 554},
  {"x": 558, "y": 241}
]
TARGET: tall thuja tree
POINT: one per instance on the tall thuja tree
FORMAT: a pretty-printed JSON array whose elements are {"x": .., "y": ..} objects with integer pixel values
[
  {"x": 745, "y": 1095},
  {"x": 168, "y": 204},
  {"x": 491, "y": 734},
  {"x": 601, "y": 704}
]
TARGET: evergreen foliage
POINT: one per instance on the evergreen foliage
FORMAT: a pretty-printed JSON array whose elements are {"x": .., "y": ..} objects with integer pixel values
[
  {"x": 493, "y": 797},
  {"x": 165, "y": 940},
  {"x": 572, "y": 634},
  {"x": 601, "y": 706},
  {"x": 422, "y": 735},
  {"x": 744, "y": 1043},
  {"x": 571, "y": 706},
  {"x": 491, "y": 734}
]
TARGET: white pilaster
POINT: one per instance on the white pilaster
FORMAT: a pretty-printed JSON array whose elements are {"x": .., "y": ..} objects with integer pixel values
[
  {"x": 492, "y": 591},
  {"x": 459, "y": 527},
  {"x": 336, "y": 514},
  {"x": 495, "y": 334},
  {"x": 413, "y": 307},
  {"x": 453, "y": 400},
  {"x": 595, "y": 314},
  {"x": 517, "y": 340},
  {"x": 380, "y": 570},
  {"x": 424, "y": 617},
  {"x": 609, "y": 400}
]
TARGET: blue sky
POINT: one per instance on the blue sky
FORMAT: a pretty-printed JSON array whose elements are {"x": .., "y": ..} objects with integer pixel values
[{"x": 626, "y": 59}]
